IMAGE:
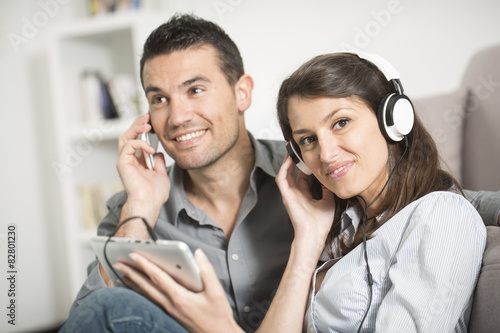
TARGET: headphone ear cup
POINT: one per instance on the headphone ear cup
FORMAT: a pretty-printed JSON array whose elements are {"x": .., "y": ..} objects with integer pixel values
[
  {"x": 294, "y": 152},
  {"x": 396, "y": 117},
  {"x": 381, "y": 117}
]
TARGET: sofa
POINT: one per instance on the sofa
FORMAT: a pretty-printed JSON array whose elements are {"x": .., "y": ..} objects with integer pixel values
[{"x": 465, "y": 125}]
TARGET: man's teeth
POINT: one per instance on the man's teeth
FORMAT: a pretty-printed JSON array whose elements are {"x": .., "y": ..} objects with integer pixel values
[
  {"x": 190, "y": 136},
  {"x": 339, "y": 169}
]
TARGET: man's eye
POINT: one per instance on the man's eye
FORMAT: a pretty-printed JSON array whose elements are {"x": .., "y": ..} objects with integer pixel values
[
  {"x": 159, "y": 100},
  {"x": 195, "y": 90}
]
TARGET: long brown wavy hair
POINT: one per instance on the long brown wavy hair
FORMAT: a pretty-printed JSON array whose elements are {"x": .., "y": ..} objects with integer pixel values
[{"x": 342, "y": 75}]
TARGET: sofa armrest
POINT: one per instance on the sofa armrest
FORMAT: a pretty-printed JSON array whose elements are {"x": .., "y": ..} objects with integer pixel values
[{"x": 486, "y": 304}]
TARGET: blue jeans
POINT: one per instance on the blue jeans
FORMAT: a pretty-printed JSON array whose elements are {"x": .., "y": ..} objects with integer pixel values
[{"x": 119, "y": 310}]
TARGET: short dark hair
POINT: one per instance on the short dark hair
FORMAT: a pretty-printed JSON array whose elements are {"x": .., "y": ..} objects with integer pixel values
[{"x": 182, "y": 32}]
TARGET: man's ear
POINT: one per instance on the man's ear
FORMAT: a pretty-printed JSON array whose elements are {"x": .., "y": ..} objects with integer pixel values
[{"x": 243, "y": 91}]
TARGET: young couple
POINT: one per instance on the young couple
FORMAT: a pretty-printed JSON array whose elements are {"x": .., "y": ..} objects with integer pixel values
[{"x": 388, "y": 242}]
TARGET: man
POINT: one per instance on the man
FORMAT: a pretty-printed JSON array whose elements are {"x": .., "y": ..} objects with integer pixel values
[{"x": 219, "y": 196}]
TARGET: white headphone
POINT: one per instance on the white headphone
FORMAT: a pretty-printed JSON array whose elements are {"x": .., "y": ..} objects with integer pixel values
[{"x": 395, "y": 114}]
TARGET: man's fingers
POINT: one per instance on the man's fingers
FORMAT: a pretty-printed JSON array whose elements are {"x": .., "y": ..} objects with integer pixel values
[
  {"x": 160, "y": 165},
  {"x": 144, "y": 285},
  {"x": 132, "y": 146},
  {"x": 162, "y": 281},
  {"x": 211, "y": 283},
  {"x": 140, "y": 125}
]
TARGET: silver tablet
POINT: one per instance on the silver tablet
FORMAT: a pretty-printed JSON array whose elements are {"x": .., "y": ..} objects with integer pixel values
[{"x": 174, "y": 257}]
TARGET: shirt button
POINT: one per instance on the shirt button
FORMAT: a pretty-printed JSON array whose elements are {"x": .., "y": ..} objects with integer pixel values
[
  {"x": 247, "y": 308},
  {"x": 235, "y": 257}
]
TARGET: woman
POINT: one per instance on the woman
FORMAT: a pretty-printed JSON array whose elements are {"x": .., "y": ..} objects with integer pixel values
[
  {"x": 404, "y": 250},
  {"x": 418, "y": 268}
]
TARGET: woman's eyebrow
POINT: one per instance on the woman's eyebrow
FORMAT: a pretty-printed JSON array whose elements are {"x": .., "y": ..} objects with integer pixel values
[
  {"x": 323, "y": 121},
  {"x": 330, "y": 115}
]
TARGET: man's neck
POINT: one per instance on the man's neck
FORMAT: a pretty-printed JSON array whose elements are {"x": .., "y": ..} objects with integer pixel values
[{"x": 219, "y": 189}]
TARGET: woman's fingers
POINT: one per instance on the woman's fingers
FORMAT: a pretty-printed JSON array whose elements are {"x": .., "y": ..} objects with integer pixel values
[
  {"x": 292, "y": 188},
  {"x": 285, "y": 177}
]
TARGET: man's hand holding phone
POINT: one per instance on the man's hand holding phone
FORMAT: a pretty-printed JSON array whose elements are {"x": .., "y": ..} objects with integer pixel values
[
  {"x": 153, "y": 141},
  {"x": 147, "y": 189}
]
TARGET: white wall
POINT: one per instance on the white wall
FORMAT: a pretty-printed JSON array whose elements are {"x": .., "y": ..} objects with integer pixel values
[{"x": 428, "y": 41}]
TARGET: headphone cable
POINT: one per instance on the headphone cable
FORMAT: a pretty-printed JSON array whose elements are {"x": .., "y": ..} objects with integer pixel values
[
  {"x": 365, "y": 213},
  {"x": 150, "y": 232}
]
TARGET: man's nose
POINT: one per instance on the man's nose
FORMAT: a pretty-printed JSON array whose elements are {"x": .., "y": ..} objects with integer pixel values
[{"x": 179, "y": 112}]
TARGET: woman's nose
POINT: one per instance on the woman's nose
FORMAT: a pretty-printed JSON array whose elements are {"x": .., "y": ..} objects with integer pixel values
[{"x": 329, "y": 149}]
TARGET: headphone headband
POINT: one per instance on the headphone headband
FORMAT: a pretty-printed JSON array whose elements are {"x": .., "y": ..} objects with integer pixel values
[
  {"x": 395, "y": 114},
  {"x": 382, "y": 64},
  {"x": 390, "y": 73}
]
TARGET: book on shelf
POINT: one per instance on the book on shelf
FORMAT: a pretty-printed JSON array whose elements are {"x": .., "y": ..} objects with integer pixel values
[
  {"x": 124, "y": 95},
  {"x": 107, "y": 103},
  {"x": 93, "y": 197},
  {"x": 99, "y": 7},
  {"x": 107, "y": 99}
]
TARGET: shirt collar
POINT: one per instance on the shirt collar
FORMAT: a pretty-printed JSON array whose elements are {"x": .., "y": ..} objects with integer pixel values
[
  {"x": 352, "y": 215},
  {"x": 177, "y": 198},
  {"x": 265, "y": 160}
]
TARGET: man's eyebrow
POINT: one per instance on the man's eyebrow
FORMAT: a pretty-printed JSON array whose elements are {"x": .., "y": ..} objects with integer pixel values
[
  {"x": 149, "y": 89},
  {"x": 186, "y": 83},
  {"x": 195, "y": 79}
]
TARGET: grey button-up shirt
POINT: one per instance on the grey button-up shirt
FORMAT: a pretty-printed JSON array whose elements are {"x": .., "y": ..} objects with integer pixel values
[{"x": 251, "y": 264}]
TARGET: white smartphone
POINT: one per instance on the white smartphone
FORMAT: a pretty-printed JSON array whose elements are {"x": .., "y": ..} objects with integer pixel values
[
  {"x": 152, "y": 139},
  {"x": 174, "y": 257}
]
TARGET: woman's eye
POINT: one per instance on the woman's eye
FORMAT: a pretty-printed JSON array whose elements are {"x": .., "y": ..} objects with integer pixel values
[
  {"x": 306, "y": 141},
  {"x": 341, "y": 123}
]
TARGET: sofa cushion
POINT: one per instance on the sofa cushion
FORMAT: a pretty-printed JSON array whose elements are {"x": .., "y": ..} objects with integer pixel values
[
  {"x": 443, "y": 117},
  {"x": 485, "y": 314},
  {"x": 481, "y": 159}
]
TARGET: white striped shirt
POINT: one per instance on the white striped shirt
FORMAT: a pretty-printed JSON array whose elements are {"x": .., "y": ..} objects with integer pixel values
[{"x": 425, "y": 262}]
